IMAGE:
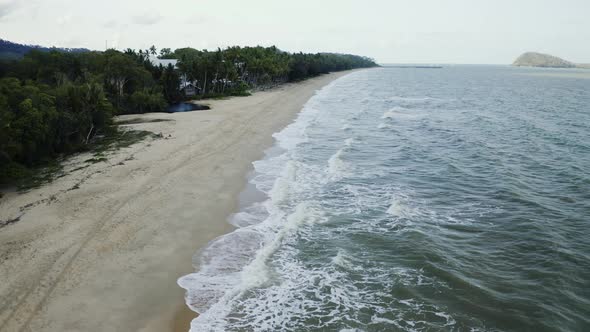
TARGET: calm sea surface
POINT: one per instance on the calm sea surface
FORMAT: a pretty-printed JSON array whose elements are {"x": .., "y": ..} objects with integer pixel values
[{"x": 454, "y": 199}]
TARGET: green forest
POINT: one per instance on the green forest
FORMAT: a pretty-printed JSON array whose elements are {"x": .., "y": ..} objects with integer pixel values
[{"x": 54, "y": 103}]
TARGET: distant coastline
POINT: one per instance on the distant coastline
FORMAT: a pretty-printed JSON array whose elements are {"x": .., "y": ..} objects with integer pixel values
[{"x": 412, "y": 66}]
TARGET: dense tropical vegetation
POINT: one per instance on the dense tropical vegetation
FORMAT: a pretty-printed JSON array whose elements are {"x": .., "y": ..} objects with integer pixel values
[{"x": 55, "y": 102}]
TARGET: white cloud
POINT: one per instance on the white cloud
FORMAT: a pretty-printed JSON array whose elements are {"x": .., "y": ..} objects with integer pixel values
[
  {"x": 114, "y": 41},
  {"x": 6, "y": 7},
  {"x": 197, "y": 19},
  {"x": 147, "y": 18},
  {"x": 110, "y": 24},
  {"x": 64, "y": 19},
  {"x": 430, "y": 31}
]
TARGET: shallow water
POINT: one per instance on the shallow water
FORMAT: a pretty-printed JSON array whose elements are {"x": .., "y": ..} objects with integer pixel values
[
  {"x": 186, "y": 107},
  {"x": 414, "y": 200}
]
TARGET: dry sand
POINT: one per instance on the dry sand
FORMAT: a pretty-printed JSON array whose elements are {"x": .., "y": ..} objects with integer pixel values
[{"x": 101, "y": 248}]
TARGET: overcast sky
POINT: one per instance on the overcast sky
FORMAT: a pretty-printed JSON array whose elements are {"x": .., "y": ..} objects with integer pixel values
[{"x": 391, "y": 31}]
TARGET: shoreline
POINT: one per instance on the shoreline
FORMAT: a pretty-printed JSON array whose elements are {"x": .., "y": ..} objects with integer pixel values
[{"x": 102, "y": 247}]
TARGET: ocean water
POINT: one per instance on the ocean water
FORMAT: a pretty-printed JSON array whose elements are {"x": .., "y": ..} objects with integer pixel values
[{"x": 453, "y": 199}]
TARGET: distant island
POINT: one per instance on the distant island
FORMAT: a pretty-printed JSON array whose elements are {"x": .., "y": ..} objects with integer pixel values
[{"x": 534, "y": 59}]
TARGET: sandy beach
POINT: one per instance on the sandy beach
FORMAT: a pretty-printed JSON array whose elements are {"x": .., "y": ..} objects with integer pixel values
[{"x": 101, "y": 248}]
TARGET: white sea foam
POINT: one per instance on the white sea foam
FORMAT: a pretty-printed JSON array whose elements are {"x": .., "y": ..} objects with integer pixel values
[
  {"x": 250, "y": 215},
  {"x": 394, "y": 112},
  {"x": 343, "y": 260},
  {"x": 295, "y": 133},
  {"x": 399, "y": 208},
  {"x": 219, "y": 272},
  {"x": 402, "y": 113},
  {"x": 449, "y": 319},
  {"x": 234, "y": 263},
  {"x": 256, "y": 273},
  {"x": 412, "y": 99},
  {"x": 280, "y": 189},
  {"x": 337, "y": 167}
]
